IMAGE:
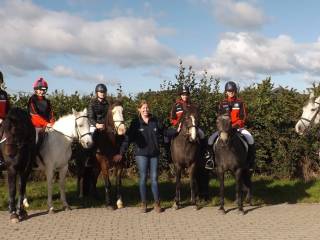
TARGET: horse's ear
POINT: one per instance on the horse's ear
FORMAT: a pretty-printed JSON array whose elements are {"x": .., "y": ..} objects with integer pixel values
[
  {"x": 311, "y": 95},
  {"x": 85, "y": 111},
  {"x": 73, "y": 111}
]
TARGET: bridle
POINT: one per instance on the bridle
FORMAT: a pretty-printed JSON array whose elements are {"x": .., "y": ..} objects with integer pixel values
[
  {"x": 79, "y": 134},
  {"x": 310, "y": 121}
]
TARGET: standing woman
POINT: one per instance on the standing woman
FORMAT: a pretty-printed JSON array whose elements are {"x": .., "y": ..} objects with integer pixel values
[{"x": 144, "y": 132}]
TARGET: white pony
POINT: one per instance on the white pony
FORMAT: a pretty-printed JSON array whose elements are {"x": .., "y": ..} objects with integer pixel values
[
  {"x": 56, "y": 149},
  {"x": 310, "y": 115}
]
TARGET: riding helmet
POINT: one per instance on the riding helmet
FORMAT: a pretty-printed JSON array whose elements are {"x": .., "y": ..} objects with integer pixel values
[
  {"x": 184, "y": 90},
  {"x": 40, "y": 84},
  {"x": 1, "y": 77},
  {"x": 230, "y": 87},
  {"x": 101, "y": 88}
]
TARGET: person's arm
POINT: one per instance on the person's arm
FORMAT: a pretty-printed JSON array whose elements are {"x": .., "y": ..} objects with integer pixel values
[
  {"x": 91, "y": 114},
  {"x": 240, "y": 122},
  {"x": 130, "y": 136},
  {"x": 36, "y": 119}
]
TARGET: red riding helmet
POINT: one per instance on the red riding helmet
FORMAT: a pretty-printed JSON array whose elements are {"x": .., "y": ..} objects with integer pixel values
[{"x": 40, "y": 84}]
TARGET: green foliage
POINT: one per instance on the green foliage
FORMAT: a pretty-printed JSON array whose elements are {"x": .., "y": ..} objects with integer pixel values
[{"x": 272, "y": 115}]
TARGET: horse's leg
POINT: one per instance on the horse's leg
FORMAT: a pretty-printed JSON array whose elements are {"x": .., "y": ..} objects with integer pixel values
[
  {"x": 239, "y": 187},
  {"x": 107, "y": 184},
  {"x": 178, "y": 187},
  {"x": 221, "y": 181},
  {"x": 62, "y": 182},
  {"x": 247, "y": 185},
  {"x": 49, "y": 173},
  {"x": 118, "y": 170},
  {"x": 12, "y": 174},
  {"x": 22, "y": 191},
  {"x": 193, "y": 185}
]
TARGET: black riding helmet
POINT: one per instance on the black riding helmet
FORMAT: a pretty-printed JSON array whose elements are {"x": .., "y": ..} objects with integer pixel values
[
  {"x": 101, "y": 88},
  {"x": 184, "y": 90},
  {"x": 230, "y": 87}
]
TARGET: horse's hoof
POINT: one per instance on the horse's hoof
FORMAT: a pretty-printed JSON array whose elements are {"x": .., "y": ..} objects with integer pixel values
[
  {"x": 23, "y": 215},
  {"x": 51, "y": 210},
  {"x": 119, "y": 204},
  {"x": 14, "y": 218},
  {"x": 240, "y": 212},
  {"x": 175, "y": 206},
  {"x": 222, "y": 211},
  {"x": 67, "y": 208}
]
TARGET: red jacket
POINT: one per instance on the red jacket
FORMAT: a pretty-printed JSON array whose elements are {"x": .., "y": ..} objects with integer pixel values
[
  {"x": 40, "y": 111},
  {"x": 177, "y": 111},
  {"x": 237, "y": 110},
  {"x": 4, "y": 104}
]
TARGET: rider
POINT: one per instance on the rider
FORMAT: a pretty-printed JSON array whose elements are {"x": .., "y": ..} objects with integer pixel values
[
  {"x": 4, "y": 108},
  {"x": 40, "y": 109},
  {"x": 97, "y": 111},
  {"x": 238, "y": 113}
]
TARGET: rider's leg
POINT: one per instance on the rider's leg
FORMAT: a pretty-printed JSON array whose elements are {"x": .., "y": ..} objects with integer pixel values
[
  {"x": 251, "y": 147},
  {"x": 2, "y": 162},
  {"x": 209, "y": 156}
]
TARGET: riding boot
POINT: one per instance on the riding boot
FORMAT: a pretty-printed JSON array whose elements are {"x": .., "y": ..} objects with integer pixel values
[
  {"x": 157, "y": 207},
  {"x": 251, "y": 156},
  {"x": 143, "y": 207}
]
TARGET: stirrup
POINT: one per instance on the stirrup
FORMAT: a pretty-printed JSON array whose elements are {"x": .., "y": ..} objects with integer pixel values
[{"x": 209, "y": 164}]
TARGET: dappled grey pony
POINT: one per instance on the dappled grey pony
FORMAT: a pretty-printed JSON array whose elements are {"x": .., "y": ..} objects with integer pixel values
[
  {"x": 185, "y": 152},
  {"x": 310, "y": 114},
  {"x": 231, "y": 155}
]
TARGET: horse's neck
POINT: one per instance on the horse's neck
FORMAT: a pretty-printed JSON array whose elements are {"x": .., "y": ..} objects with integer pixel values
[{"x": 66, "y": 126}]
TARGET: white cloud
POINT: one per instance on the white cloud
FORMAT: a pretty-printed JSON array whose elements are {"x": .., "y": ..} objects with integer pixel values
[
  {"x": 250, "y": 56},
  {"x": 238, "y": 14},
  {"x": 31, "y": 35},
  {"x": 65, "y": 72}
]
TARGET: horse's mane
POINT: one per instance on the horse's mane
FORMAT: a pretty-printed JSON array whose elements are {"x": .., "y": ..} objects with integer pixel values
[{"x": 18, "y": 122}]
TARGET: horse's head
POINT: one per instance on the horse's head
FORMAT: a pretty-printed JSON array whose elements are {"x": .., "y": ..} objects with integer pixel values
[
  {"x": 224, "y": 126},
  {"x": 189, "y": 125},
  {"x": 82, "y": 126},
  {"x": 115, "y": 119},
  {"x": 310, "y": 115}
]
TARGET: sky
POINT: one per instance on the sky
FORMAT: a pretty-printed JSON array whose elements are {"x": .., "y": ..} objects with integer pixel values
[{"x": 76, "y": 44}]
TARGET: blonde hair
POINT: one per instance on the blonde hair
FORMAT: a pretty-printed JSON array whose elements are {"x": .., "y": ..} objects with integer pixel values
[{"x": 141, "y": 103}]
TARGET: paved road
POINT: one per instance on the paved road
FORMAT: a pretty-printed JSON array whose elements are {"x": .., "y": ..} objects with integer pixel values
[{"x": 285, "y": 221}]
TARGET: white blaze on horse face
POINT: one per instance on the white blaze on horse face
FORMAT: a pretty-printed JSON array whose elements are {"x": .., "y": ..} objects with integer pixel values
[
  {"x": 310, "y": 115},
  {"x": 117, "y": 116},
  {"x": 193, "y": 130}
]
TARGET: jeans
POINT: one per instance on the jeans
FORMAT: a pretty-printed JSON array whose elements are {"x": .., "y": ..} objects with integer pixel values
[{"x": 143, "y": 162}]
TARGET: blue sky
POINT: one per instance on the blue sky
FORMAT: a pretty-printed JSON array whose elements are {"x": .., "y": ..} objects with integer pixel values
[{"x": 75, "y": 44}]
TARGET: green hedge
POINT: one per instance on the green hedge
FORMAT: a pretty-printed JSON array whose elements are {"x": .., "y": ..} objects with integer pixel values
[{"x": 273, "y": 113}]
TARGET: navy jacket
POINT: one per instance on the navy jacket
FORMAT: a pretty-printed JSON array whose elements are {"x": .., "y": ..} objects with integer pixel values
[
  {"x": 146, "y": 137},
  {"x": 97, "y": 111}
]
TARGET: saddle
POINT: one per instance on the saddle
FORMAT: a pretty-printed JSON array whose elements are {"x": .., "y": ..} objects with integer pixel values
[{"x": 240, "y": 136}]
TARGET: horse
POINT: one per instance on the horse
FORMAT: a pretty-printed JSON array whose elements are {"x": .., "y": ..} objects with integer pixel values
[
  {"x": 18, "y": 150},
  {"x": 310, "y": 115},
  {"x": 107, "y": 144},
  {"x": 185, "y": 153},
  {"x": 55, "y": 151},
  {"x": 231, "y": 152}
]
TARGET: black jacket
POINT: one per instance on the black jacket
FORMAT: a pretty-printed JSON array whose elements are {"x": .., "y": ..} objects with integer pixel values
[
  {"x": 97, "y": 111},
  {"x": 146, "y": 137}
]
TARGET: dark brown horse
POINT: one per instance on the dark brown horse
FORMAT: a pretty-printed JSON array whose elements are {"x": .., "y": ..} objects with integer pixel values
[
  {"x": 18, "y": 150},
  {"x": 185, "y": 153},
  {"x": 231, "y": 155},
  {"x": 108, "y": 142}
]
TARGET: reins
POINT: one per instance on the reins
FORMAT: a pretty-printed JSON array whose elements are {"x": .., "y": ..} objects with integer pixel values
[{"x": 310, "y": 121}]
